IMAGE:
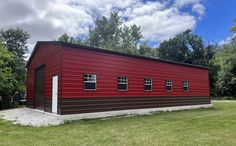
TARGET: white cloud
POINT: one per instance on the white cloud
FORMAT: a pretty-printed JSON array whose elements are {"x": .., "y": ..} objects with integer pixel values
[
  {"x": 199, "y": 8},
  {"x": 227, "y": 40},
  {"x": 48, "y": 19},
  {"x": 196, "y": 6},
  {"x": 161, "y": 25},
  {"x": 182, "y": 3}
]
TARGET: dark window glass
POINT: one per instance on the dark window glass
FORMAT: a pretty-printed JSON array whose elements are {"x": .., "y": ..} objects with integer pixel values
[
  {"x": 185, "y": 86},
  {"x": 168, "y": 85},
  {"x": 147, "y": 87},
  {"x": 122, "y": 83},
  {"x": 168, "y": 88},
  {"x": 90, "y": 81},
  {"x": 122, "y": 86},
  {"x": 89, "y": 85},
  {"x": 147, "y": 84}
]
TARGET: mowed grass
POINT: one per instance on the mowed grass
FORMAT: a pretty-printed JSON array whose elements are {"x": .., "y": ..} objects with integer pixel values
[{"x": 214, "y": 126}]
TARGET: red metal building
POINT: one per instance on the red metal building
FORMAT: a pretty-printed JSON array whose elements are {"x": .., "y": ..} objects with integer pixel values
[{"x": 65, "y": 78}]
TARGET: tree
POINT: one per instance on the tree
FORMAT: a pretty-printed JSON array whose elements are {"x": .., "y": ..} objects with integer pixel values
[
  {"x": 7, "y": 78},
  {"x": 223, "y": 64},
  {"x": 233, "y": 30},
  {"x": 147, "y": 51},
  {"x": 110, "y": 33},
  {"x": 185, "y": 47},
  {"x": 16, "y": 43},
  {"x": 209, "y": 52},
  {"x": 70, "y": 39},
  {"x": 225, "y": 58}
]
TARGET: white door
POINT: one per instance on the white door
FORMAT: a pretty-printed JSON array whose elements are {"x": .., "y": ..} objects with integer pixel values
[{"x": 54, "y": 94}]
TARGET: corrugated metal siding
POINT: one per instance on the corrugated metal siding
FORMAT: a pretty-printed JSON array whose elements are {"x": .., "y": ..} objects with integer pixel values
[
  {"x": 50, "y": 56},
  {"x": 108, "y": 67}
]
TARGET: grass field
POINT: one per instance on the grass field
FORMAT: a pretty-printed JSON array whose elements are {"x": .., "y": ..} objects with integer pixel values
[{"x": 214, "y": 126}]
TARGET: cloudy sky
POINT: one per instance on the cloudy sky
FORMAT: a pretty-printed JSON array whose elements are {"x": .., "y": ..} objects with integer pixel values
[{"x": 158, "y": 19}]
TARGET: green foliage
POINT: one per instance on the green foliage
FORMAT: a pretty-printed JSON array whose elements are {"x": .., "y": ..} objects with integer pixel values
[
  {"x": 110, "y": 33},
  {"x": 16, "y": 40},
  {"x": 187, "y": 48},
  {"x": 147, "y": 51},
  {"x": 213, "y": 77},
  {"x": 70, "y": 39},
  {"x": 16, "y": 43},
  {"x": 209, "y": 53},
  {"x": 233, "y": 30},
  {"x": 225, "y": 58},
  {"x": 7, "y": 78}
]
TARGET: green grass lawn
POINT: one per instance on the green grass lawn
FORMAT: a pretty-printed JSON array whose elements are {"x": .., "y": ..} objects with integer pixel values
[{"x": 214, "y": 126}]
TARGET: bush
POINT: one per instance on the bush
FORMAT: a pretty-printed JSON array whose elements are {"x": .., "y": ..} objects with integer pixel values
[{"x": 6, "y": 103}]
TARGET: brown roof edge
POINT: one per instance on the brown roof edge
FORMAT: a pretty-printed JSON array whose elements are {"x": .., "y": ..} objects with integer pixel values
[{"x": 108, "y": 51}]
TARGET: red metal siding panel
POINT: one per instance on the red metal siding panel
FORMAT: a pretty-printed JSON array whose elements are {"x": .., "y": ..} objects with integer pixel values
[
  {"x": 50, "y": 56},
  {"x": 108, "y": 67}
]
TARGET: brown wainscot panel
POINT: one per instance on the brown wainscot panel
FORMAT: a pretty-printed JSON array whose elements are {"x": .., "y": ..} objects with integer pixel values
[
  {"x": 30, "y": 102},
  {"x": 99, "y": 104},
  {"x": 48, "y": 105}
]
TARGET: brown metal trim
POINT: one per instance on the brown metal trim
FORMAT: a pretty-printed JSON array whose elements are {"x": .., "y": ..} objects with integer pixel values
[
  {"x": 30, "y": 102},
  {"x": 48, "y": 105},
  {"x": 86, "y": 105},
  {"x": 109, "y": 51},
  {"x": 112, "y": 108},
  {"x": 60, "y": 100}
]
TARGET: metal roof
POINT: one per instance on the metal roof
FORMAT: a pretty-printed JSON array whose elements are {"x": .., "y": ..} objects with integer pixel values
[{"x": 107, "y": 51}]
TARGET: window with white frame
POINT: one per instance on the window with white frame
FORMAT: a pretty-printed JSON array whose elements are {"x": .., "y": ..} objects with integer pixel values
[
  {"x": 147, "y": 84},
  {"x": 168, "y": 85},
  {"x": 122, "y": 83},
  {"x": 185, "y": 86},
  {"x": 90, "y": 81}
]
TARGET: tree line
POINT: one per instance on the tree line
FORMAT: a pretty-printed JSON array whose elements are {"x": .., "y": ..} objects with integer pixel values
[{"x": 110, "y": 33}]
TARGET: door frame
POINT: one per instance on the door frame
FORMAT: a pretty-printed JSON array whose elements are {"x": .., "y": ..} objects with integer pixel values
[{"x": 55, "y": 94}]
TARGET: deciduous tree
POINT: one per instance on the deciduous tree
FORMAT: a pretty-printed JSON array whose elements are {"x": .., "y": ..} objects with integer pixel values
[
  {"x": 185, "y": 47},
  {"x": 15, "y": 41},
  {"x": 70, "y": 39},
  {"x": 110, "y": 33},
  {"x": 7, "y": 78},
  {"x": 225, "y": 58}
]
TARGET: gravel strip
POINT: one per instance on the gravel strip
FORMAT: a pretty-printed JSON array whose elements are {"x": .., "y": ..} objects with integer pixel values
[
  {"x": 36, "y": 118},
  {"x": 31, "y": 117}
]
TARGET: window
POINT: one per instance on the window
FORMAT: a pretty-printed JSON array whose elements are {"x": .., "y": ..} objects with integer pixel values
[
  {"x": 168, "y": 85},
  {"x": 147, "y": 84},
  {"x": 122, "y": 83},
  {"x": 90, "y": 82},
  {"x": 185, "y": 86}
]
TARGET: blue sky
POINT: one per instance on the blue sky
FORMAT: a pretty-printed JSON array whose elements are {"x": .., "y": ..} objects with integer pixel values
[
  {"x": 159, "y": 20},
  {"x": 217, "y": 20}
]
